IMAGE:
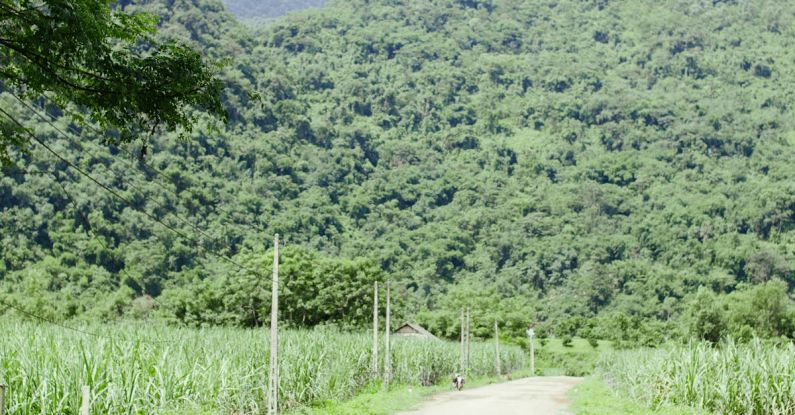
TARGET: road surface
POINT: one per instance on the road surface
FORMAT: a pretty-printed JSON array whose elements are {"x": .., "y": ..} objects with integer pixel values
[{"x": 537, "y": 396}]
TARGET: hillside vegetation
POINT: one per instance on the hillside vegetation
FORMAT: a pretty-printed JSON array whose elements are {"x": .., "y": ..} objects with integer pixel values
[
  {"x": 258, "y": 11},
  {"x": 586, "y": 165}
]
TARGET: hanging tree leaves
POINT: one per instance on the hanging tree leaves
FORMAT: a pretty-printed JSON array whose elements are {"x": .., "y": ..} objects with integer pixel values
[{"x": 105, "y": 61}]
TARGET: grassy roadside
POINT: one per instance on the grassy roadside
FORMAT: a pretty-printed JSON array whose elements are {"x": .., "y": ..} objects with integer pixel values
[
  {"x": 594, "y": 397},
  {"x": 400, "y": 398},
  {"x": 577, "y": 359}
]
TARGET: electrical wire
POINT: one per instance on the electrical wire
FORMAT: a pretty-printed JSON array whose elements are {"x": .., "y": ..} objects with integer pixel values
[
  {"x": 119, "y": 196},
  {"x": 85, "y": 332},
  {"x": 216, "y": 207}
]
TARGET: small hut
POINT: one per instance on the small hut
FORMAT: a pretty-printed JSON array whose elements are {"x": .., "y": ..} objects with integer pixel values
[{"x": 414, "y": 330}]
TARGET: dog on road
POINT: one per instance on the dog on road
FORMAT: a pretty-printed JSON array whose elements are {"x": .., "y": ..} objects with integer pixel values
[{"x": 458, "y": 382}]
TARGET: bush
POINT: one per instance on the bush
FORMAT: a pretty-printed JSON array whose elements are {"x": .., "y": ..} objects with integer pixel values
[{"x": 566, "y": 341}]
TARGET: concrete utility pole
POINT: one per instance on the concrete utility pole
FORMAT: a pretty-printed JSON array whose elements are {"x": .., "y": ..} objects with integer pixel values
[
  {"x": 461, "y": 357},
  {"x": 469, "y": 342},
  {"x": 387, "y": 356},
  {"x": 273, "y": 376},
  {"x": 375, "y": 330},
  {"x": 497, "y": 346},
  {"x": 531, "y": 333},
  {"x": 85, "y": 407}
]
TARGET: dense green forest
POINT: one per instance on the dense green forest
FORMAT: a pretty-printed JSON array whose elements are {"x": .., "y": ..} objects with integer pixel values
[
  {"x": 611, "y": 169},
  {"x": 260, "y": 11}
]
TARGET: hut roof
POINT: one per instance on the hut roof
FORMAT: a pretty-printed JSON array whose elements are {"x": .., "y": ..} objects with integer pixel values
[{"x": 416, "y": 329}]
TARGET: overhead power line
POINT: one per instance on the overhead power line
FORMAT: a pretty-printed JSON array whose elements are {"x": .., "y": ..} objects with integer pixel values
[
  {"x": 81, "y": 148},
  {"x": 42, "y": 114},
  {"x": 114, "y": 193},
  {"x": 152, "y": 169},
  {"x": 77, "y": 330},
  {"x": 121, "y": 197},
  {"x": 94, "y": 235}
]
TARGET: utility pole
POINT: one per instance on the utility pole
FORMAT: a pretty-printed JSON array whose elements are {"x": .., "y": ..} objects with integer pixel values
[
  {"x": 469, "y": 342},
  {"x": 2, "y": 399},
  {"x": 375, "y": 330},
  {"x": 497, "y": 346},
  {"x": 463, "y": 329},
  {"x": 85, "y": 407},
  {"x": 273, "y": 376},
  {"x": 387, "y": 356},
  {"x": 531, "y": 333}
]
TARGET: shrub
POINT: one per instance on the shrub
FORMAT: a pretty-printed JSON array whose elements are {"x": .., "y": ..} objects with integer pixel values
[
  {"x": 566, "y": 341},
  {"x": 593, "y": 342}
]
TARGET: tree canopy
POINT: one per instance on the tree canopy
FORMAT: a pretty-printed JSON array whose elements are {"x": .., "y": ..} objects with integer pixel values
[
  {"x": 104, "y": 63},
  {"x": 599, "y": 166},
  {"x": 256, "y": 12}
]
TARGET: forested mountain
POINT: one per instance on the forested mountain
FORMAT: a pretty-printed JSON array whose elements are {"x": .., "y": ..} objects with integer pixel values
[
  {"x": 537, "y": 160},
  {"x": 257, "y": 11}
]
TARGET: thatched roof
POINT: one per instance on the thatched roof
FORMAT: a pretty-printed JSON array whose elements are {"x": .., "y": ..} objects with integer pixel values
[{"x": 411, "y": 329}]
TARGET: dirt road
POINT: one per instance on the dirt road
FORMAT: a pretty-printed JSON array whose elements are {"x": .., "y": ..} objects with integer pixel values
[{"x": 536, "y": 396}]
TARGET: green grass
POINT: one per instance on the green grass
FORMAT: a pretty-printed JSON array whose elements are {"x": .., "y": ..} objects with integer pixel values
[
  {"x": 594, "y": 397},
  {"x": 580, "y": 359},
  {"x": 755, "y": 378},
  {"x": 145, "y": 369},
  {"x": 374, "y": 402}
]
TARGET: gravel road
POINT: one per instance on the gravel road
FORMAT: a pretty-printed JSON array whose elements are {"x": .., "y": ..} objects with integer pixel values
[{"x": 536, "y": 396}]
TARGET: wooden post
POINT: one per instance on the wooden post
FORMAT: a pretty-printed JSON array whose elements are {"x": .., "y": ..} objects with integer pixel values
[
  {"x": 387, "y": 335},
  {"x": 463, "y": 333},
  {"x": 273, "y": 375},
  {"x": 497, "y": 346},
  {"x": 2, "y": 399},
  {"x": 375, "y": 330},
  {"x": 86, "y": 405}
]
